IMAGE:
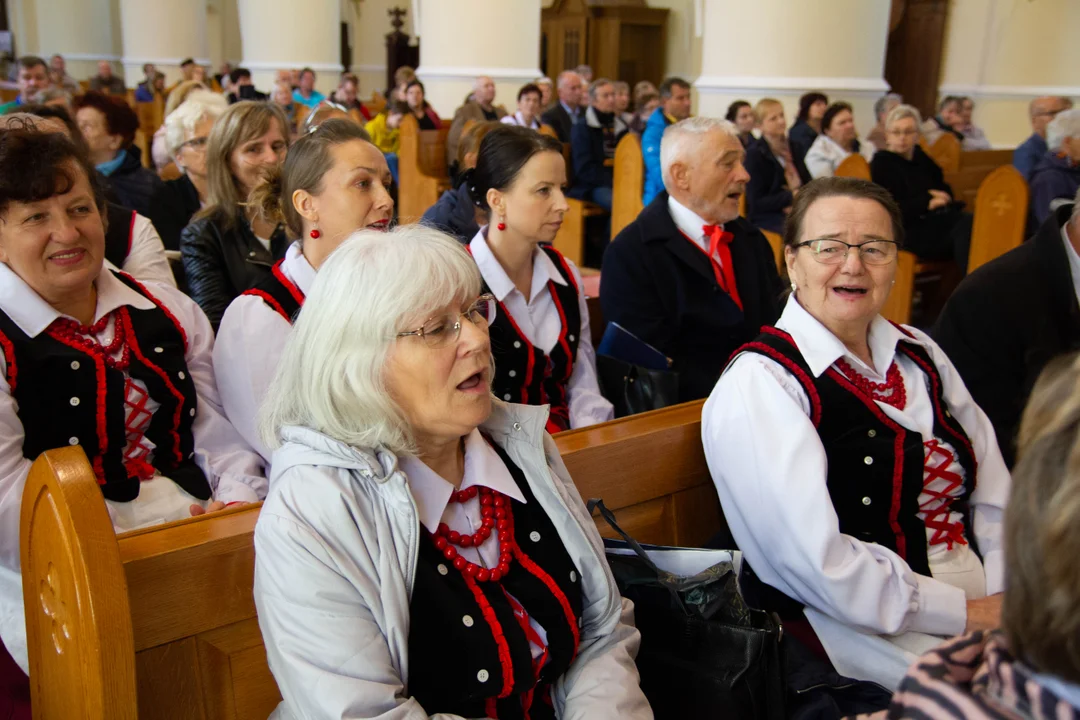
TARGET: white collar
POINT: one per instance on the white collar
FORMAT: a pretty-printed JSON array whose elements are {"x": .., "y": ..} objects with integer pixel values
[
  {"x": 688, "y": 222},
  {"x": 483, "y": 466},
  {"x": 832, "y": 146},
  {"x": 496, "y": 278},
  {"x": 33, "y": 314},
  {"x": 521, "y": 120},
  {"x": 820, "y": 348},
  {"x": 297, "y": 268}
]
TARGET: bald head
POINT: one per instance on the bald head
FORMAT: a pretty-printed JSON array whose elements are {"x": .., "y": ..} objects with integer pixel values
[
  {"x": 568, "y": 85},
  {"x": 484, "y": 91},
  {"x": 1044, "y": 109}
]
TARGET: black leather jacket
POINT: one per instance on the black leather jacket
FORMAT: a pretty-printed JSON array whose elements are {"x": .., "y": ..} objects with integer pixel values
[{"x": 220, "y": 263}]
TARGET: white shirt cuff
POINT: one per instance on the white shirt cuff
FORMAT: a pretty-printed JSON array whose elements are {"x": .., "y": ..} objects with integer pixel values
[
  {"x": 937, "y": 608},
  {"x": 235, "y": 490}
]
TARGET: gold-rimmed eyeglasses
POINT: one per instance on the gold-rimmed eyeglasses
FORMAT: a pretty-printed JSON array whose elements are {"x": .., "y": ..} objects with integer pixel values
[
  {"x": 442, "y": 330},
  {"x": 834, "y": 252}
]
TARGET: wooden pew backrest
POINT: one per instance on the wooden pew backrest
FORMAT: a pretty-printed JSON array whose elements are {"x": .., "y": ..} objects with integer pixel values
[
  {"x": 898, "y": 305},
  {"x": 629, "y": 183},
  {"x": 854, "y": 166},
  {"x": 1000, "y": 216},
  {"x": 422, "y": 169},
  {"x": 946, "y": 152}
]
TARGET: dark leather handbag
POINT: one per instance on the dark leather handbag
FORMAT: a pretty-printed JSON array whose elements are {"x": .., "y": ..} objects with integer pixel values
[
  {"x": 704, "y": 652},
  {"x": 633, "y": 388}
]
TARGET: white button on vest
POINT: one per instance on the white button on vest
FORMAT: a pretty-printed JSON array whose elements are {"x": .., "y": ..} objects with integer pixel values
[
  {"x": 482, "y": 676},
  {"x": 534, "y": 536},
  {"x": 181, "y": 375},
  {"x": 506, "y": 396},
  {"x": 866, "y": 501},
  {"x": 251, "y": 254},
  {"x": 871, "y": 433},
  {"x": 573, "y": 576},
  {"x": 467, "y": 621},
  {"x": 74, "y": 364},
  {"x": 517, "y": 344},
  {"x": 868, "y": 460},
  {"x": 73, "y": 440},
  {"x": 512, "y": 373},
  {"x": 442, "y": 569},
  {"x": 74, "y": 402},
  {"x": 571, "y": 338},
  {"x": 159, "y": 350},
  {"x": 192, "y": 412}
]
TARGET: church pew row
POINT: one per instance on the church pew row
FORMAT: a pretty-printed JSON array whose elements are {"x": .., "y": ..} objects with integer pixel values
[
  {"x": 160, "y": 623},
  {"x": 422, "y": 170}
]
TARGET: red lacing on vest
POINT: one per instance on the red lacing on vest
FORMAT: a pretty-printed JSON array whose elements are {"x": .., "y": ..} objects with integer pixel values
[
  {"x": 178, "y": 414},
  {"x": 937, "y": 519}
]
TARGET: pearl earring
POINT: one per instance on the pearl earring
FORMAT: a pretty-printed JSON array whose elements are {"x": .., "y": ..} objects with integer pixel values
[{"x": 793, "y": 288}]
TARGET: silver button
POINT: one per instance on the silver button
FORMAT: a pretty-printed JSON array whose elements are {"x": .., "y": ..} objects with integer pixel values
[
  {"x": 181, "y": 375},
  {"x": 482, "y": 676},
  {"x": 74, "y": 402},
  {"x": 517, "y": 344},
  {"x": 871, "y": 433},
  {"x": 159, "y": 350},
  {"x": 251, "y": 254},
  {"x": 442, "y": 569},
  {"x": 467, "y": 621},
  {"x": 866, "y": 501},
  {"x": 534, "y": 536},
  {"x": 513, "y": 373},
  {"x": 74, "y": 364},
  {"x": 73, "y": 440},
  {"x": 571, "y": 338},
  {"x": 517, "y": 426},
  {"x": 506, "y": 397},
  {"x": 192, "y": 412},
  {"x": 868, "y": 460},
  {"x": 573, "y": 576}
]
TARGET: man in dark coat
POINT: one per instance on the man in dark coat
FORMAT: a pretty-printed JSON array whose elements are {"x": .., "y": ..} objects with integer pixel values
[
  {"x": 566, "y": 112},
  {"x": 660, "y": 280},
  {"x": 1010, "y": 317}
]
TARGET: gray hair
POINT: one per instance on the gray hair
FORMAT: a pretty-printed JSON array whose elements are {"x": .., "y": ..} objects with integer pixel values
[
  {"x": 595, "y": 86},
  {"x": 681, "y": 139},
  {"x": 883, "y": 102},
  {"x": 332, "y": 374},
  {"x": 566, "y": 77},
  {"x": 545, "y": 80},
  {"x": 1066, "y": 124},
  {"x": 198, "y": 106},
  {"x": 900, "y": 112}
]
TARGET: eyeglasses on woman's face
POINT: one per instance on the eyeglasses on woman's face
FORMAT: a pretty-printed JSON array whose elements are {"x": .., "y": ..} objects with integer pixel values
[
  {"x": 442, "y": 330},
  {"x": 195, "y": 143},
  {"x": 834, "y": 252}
]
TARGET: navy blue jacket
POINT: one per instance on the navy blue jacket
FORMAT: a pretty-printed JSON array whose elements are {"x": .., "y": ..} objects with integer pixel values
[
  {"x": 587, "y": 154},
  {"x": 800, "y": 138},
  {"x": 661, "y": 288},
  {"x": 131, "y": 184},
  {"x": 1053, "y": 178},
  {"x": 454, "y": 214},
  {"x": 767, "y": 193}
]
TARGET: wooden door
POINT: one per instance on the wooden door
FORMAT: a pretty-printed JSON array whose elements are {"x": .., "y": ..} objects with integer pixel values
[{"x": 913, "y": 61}]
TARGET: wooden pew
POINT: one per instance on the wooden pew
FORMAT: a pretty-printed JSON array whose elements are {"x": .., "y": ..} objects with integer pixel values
[
  {"x": 629, "y": 183},
  {"x": 854, "y": 166},
  {"x": 570, "y": 240},
  {"x": 160, "y": 623},
  {"x": 422, "y": 169},
  {"x": 945, "y": 152},
  {"x": 975, "y": 167}
]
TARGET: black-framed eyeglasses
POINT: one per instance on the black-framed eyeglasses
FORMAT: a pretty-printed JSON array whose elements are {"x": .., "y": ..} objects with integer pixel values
[
  {"x": 442, "y": 330},
  {"x": 196, "y": 143},
  {"x": 834, "y": 252}
]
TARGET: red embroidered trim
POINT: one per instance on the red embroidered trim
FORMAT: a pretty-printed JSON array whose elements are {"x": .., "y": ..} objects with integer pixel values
[
  {"x": 938, "y": 519},
  {"x": 898, "y": 457},
  {"x": 804, "y": 379},
  {"x": 491, "y": 709},
  {"x": 540, "y": 574},
  {"x": 9, "y": 360},
  {"x": 297, "y": 295},
  {"x": 178, "y": 415},
  {"x": 488, "y": 613},
  {"x": 131, "y": 232},
  {"x": 902, "y": 329},
  {"x": 163, "y": 308},
  {"x": 269, "y": 300},
  {"x": 532, "y": 360},
  {"x": 558, "y": 256},
  {"x": 563, "y": 331}
]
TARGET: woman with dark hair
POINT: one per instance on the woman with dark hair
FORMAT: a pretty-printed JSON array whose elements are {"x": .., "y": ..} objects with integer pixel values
[
  {"x": 741, "y": 115},
  {"x": 807, "y": 125},
  {"x": 861, "y": 481},
  {"x": 528, "y": 112},
  {"x": 454, "y": 212},
  {"x": 108, "y": 126},
  {"x": 94, "y": 358},
  {"x": 540, "y": 339},
  {"x": 425, "y": 115},
  {"x": 836, "y": 142},
  {"x": 228, "y": 247},
  {"x": 332, "y": 183}
]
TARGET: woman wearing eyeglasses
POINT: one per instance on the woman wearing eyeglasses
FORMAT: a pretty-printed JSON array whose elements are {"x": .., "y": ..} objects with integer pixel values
[
  {"x": 935, "y": 226},
  {"x": 423, "y": 551},
  {"x": 541, "y": 339},
  {"x": 861, "y": 481}
]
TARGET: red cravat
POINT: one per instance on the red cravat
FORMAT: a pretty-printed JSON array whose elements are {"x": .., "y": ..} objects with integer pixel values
[{"x": 719, "y": 246}]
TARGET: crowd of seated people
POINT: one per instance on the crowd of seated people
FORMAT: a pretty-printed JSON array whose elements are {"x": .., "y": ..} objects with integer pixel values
[
  {"x": 592, "y": 146},
  {"x": 955, "y": 117}
]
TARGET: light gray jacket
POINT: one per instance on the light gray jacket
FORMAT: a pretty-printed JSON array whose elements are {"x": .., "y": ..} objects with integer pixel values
[{"x": 336, "y": 550}]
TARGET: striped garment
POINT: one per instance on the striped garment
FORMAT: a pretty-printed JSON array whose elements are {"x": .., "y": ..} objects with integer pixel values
[{"x": 973, "y": 677}]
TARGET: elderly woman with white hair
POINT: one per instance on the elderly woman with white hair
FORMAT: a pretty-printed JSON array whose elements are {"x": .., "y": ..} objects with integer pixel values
[
  {"x": 187, "y": 130},
  {"x": 423, "y": 551},
  {"x": 936, "y": 227},
  {"x": 1057, "y": 175}
]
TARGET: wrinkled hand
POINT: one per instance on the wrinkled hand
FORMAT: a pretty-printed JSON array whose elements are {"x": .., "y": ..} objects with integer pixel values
[
  {"x": 212, "y": 507},
  {"x": 937, "y": 202},
  {"x": 984, "y": 613}
]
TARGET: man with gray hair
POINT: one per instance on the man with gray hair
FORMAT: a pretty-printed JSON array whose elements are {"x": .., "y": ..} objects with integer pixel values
[
  {"x": 566, "y": 112},
  {"x": 479, "y": 107},
  {"x": 689, "y": 276},
  {"x": 1012, "y": 316},
  {"x": 1057, "y": 174},
  {"x": 1041, "y": 110},
  {"x": 882, "y": 107}
]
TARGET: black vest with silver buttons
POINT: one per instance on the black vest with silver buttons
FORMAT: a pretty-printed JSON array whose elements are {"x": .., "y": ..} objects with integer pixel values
[
  {"x": 454, "y": 663},
  {"x": 68, "y": 397},
  {"x": 875, "y": 465}
]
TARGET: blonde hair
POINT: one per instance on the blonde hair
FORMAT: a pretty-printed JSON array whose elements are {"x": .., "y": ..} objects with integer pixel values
[
  {"x": 900, "y": 112},
  {"x": 763, "y": 106},
  {"x": 180, "y": 93},
  {"x": 331, "y": 377},
  {"x": 1042, "y": 527},
  {"x": 241, "y": 123}
]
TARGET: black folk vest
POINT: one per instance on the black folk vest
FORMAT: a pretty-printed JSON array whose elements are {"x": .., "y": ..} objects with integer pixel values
[
  {"x": 68, "y": 396},
  {"x": 526, "y": 374},
  {"x": 875, "y": 466},
  {"x": 119, "y": 234},
  {"x": 280, "y": 293},
  {"x": 455, "y": 664}
]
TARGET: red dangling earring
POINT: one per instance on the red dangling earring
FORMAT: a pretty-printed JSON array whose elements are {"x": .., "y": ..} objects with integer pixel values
[
  {"x": 315, "y": 234},
  {"x": 501, "y": 226}
]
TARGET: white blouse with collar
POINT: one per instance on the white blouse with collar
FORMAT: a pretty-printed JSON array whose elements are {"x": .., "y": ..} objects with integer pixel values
[
  {"x": 770, "y": 469},
  {"x": 518, "y": 119},
  {"x": 825, "y": 155},
  {"x": 249, "y": 343},
  {"x": 539, "y": 319}
]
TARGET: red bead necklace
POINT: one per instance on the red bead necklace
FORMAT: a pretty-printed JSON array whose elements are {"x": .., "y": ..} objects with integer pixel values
[
  {"x": 892, "y": 391},
  {"x": 85, "y": 338},
  {"x": 496, "y": 514}
]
